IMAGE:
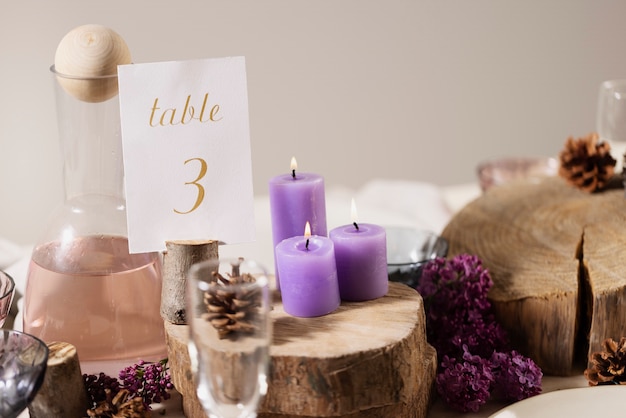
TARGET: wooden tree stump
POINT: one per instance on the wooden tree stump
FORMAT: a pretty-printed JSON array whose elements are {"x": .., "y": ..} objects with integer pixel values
[
  {"x": 62, "y": 393},
  {"x": 366, "y": 359},
  {"x": 181, "y": 255},
  {"x": 555, "y": 255}
]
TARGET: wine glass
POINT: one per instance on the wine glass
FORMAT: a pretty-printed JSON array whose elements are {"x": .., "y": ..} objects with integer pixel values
[
  {"x": 7, "y": 287},
  {"x": 228, "y": 305},
  {"x": 611, "y": 118},
  {"x": 23, "y": 362}
]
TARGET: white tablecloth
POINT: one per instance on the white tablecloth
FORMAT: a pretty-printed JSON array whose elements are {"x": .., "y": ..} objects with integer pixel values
[{"x": 383, "y": 202}]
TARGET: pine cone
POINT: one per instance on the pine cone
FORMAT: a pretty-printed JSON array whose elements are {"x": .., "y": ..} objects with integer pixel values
[
  {"x": 609, "y": 366},
  {"x": 231, "y": 312},
  {"x": 587, "y": 164},
  {"x": 119, "y": 406}
]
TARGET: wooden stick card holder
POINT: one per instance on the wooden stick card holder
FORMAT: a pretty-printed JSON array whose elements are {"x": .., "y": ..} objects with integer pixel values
[{"x": 181, "y": 255}]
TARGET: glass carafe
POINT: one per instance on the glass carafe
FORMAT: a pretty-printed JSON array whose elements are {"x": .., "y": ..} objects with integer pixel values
[{"x": 83, "y": 286}]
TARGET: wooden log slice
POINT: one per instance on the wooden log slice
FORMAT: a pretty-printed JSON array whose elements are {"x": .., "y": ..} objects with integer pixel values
[
  {"x": 554, "y": 253},
  {"x": 62, "y": 393},
  {"x": 366, "y": 359}
]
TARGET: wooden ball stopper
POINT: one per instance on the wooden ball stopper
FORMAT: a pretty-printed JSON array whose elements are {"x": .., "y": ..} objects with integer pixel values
[{"x": 86, "y": 62}]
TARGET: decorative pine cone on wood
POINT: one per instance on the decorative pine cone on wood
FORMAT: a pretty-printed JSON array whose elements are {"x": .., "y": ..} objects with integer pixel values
[
  {"x": 228, "y": 311},
  {"x": 587, "y": 163},
  {"x": 608, "y": 367}
]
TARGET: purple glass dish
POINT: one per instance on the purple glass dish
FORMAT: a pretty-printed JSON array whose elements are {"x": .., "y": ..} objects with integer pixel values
[
  {"x": 499, "y": 171},
  {"x": 7, "y": 288},
  {"x": 23, "y": 362}
]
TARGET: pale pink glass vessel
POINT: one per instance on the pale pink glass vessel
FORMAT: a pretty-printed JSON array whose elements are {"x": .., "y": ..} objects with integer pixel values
[
  {"x": 83, "y": 286},
  {"x": 504, "y": 170}
]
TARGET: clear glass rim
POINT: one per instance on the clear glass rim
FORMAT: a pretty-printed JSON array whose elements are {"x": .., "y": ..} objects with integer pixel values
[
  {"x": 528, "y": 160},
  {"x": 40, "y": 344},
  {"x": 261, "y": 280},
  {"x": 437, "y": 246},
  {"x": 74, "y": 77},
  {"x": 410, "y": 263},
  {"x": 11, "y": 285}
]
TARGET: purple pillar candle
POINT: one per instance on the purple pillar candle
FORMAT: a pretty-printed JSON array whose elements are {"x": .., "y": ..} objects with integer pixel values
[
  {"x": 361, "y": 258},
  {"x": 308, "y": 275},
  {"x": 296, "y": 199}
]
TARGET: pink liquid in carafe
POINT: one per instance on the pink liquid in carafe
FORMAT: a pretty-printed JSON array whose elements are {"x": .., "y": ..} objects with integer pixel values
[{"x": 92, "y": 293}]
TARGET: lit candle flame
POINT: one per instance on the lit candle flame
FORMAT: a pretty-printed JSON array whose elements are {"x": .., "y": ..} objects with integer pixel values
[
  {"x": 353, "y": 215},
  {"x": 307, "y": 234},
  {"x": 294, "y": 167}
]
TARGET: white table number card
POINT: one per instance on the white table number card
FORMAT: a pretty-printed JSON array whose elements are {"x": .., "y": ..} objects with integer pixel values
[{"x": 186, "y": 144}]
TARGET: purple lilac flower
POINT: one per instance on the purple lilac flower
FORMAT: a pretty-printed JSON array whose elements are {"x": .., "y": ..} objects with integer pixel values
[
  {"x": 517, "y": 377},
  {"x": 473, "y": 345},
  {"x": 96, "y": 384},
  {"x": 481, "y": 335},
  {"x": 151, "y": 381},
  {"x": 457, "y": 308},
  {"x": 459, "y": 284},
  {"x": 465, "y": 385}
]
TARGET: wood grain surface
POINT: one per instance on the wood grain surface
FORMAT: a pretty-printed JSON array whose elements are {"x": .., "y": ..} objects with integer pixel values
[
  {"x": 366, "y": 359},
  {"x": 556, "y": 255}
]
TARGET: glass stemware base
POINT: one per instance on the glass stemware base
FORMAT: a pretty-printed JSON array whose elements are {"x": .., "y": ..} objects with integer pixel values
[{"x": 230, "y": 335}]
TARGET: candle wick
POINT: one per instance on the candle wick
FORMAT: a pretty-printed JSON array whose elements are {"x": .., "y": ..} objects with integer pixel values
[
  {"x": 293, "y": 173},
  {"x": 307, "y": 244},
  {"x": 356, "y": 225}
]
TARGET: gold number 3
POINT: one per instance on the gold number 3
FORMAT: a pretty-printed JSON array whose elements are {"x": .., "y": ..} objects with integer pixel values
[{"x": 200, "y": 198}]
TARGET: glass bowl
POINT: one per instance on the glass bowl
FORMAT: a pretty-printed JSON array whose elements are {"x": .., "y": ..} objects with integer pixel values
[
  {"x": 408, "y": 249},
  {"x": 499, "y": 171},
  {"x": 23, "y": 361}
]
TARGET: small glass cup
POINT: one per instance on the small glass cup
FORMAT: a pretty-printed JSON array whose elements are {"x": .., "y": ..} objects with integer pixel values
[
  {"x": 228, "y": 310},
  {"x": 23, "y": 363},
  {"x": 611, "y": 117},
  {"x": 408, "y": 249},
  {"x": 7, "y": 289},
  {"x": 499, "y": 171}
]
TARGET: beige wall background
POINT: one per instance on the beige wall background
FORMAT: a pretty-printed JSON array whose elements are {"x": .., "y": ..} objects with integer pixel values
[{"x": 355, "y": 89}]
